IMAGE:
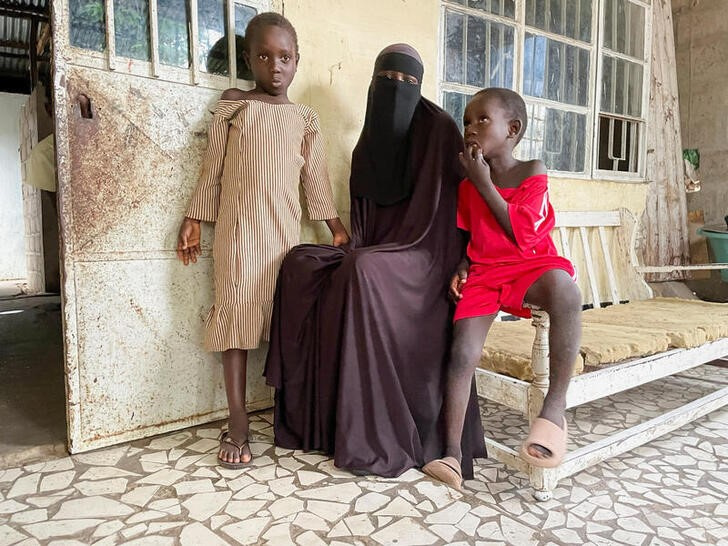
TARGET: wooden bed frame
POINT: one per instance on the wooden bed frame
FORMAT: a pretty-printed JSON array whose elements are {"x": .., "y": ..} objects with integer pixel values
[{"x": 578, "y": 230}]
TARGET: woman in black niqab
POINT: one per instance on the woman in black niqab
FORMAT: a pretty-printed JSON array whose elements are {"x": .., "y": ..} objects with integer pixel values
[
  {"x": 359, "y": 336},
  {"x": 379, "y": 168}
]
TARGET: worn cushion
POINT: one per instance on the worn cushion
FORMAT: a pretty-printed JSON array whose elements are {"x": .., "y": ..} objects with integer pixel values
[
  {"x": 508, "y": 350},
  {"x": 613, "y": 334}
]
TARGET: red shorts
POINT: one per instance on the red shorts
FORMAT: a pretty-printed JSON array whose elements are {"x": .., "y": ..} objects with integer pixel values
[{"x": 491, "y": 288}]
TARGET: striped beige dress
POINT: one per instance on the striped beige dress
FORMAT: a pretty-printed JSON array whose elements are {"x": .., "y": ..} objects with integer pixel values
[{"x": 257, "y": 155}]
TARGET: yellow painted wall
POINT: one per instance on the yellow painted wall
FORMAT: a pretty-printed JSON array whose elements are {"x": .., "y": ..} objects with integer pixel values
[
  {"x": 339, "y": 40},
  {"x": 580, "y": 194}
]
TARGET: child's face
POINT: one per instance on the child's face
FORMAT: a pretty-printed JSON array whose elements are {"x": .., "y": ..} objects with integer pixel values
[
  {"x": 487, "y": 126},
  {"x": 273, "y": 59}
]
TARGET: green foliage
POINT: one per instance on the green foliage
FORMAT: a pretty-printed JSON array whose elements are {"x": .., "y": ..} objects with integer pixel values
[
  {"x": 87, "y": 24},
  {"x": 692, "y": 155}
]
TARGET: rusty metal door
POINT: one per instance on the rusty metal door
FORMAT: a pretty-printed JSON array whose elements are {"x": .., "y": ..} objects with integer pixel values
[{"x": 131, "y": 119}]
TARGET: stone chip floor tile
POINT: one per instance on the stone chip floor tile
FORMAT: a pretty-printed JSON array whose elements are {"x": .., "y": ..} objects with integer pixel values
[{"x": 169, "y": 490}]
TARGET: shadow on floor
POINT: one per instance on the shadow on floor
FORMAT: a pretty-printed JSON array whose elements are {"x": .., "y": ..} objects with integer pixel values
[{"x": 32, "y": 392}]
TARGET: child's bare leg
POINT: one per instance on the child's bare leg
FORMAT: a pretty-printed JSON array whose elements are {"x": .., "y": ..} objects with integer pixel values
[
  {"x": 234, "y": 362},
  {"x": 467, "y": 346},
  {"x": 556, "y": 293}
]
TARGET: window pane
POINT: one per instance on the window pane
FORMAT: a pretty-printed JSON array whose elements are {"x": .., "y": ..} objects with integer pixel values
[
  {"x": 88, "y": 27},
  {"x": 555, "y": 136},
  {"x": 454, "y": 38},
  {"x": 507, "y": 8},
  {"x": 213, "y": 46},
  {"x": 618, "y": 144},
  {"x": 476, "y": 38},
  {"x": 570, "y": 18},
  {"x": 454, "y": 104},
  {"x": 555, "y": 70},
  {"x": 624, "y": 27},
  {"x": 131, "y": 28},
  {"x": 500, "y": 55},
  {"x": 243, "y": 15},
  {"x": 621, "y": 86},
  {"x": 173, "y": 36},
  {"x": 488, "y": 54}
]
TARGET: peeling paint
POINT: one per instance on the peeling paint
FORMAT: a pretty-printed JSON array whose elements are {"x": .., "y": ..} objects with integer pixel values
[{"x": 133, "y": 314}]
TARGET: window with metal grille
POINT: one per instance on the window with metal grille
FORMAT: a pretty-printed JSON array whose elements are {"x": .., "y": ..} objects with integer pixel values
[
  {"x": 177, "y": 40},
  {"x": 579, "y": 64}
]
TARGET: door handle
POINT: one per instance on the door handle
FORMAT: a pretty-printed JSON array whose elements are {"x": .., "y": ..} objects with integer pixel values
[{"x": 84, "y": 105}]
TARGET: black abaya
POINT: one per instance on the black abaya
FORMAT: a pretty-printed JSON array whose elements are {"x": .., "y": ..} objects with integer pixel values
[{"x": 360, "y": 336}]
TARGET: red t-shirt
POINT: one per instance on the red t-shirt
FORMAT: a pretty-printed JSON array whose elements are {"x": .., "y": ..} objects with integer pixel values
[{"x": 532, "y": 218}]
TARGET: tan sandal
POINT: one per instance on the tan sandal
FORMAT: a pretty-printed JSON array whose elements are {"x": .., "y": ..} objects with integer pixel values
[
  {"x": 225, "y": 438},
  {"x": 546, "y": 434},
  {"x": 446, "y": 470}
]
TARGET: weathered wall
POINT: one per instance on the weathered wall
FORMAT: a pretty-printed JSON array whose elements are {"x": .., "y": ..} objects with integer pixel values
[
  {"x": 12, "y": 259},
  {"x": 32, "y": 200},
  {"x": 339, "y": 42},
  {"x": 701, "y": 43},
  {"x": 336, "y": 65}
]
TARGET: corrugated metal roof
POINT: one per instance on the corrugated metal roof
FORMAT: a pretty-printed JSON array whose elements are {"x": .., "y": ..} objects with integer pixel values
[{"x": 15, "y": 25}]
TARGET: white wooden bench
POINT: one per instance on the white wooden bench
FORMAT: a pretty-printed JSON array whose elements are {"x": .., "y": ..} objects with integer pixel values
[{"x": 614, "y": 276}]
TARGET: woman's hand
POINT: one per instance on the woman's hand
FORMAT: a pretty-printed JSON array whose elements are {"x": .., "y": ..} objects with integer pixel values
[
  {"x": 188, "y": 241},
  {"x": 475, "y": 165},
  {"x": 458, "y": 281}
]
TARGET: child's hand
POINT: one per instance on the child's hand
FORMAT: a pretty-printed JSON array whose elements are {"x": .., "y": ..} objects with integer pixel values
[
  {"x": 188, "y": 241},
  {"x": 338, "y": 231},
  {"x": 341, "y": 237},
  {"x": 475, "y": 165},
  {"x": 458, "y": 281}
]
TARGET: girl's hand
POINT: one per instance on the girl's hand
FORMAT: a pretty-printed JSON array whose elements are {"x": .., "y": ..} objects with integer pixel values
[
  {"x": 341, "y": 237},
  {"x": 475, "y": 165},
  {"x": 338, "y": 231},
  {"x": 188, "y": 241},
  {"x": 458, "y": 281}
]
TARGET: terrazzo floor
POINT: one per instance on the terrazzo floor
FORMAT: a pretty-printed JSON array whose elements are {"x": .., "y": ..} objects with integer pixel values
[{"x": 169, "y": 490}]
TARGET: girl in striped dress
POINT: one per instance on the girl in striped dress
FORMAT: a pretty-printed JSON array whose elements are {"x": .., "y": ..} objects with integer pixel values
[{"x": 260, "y": 147}]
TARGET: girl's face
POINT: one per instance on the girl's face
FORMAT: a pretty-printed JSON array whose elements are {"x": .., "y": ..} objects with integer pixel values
[
  {"x": 273, "y": 59},
  {"x": 487, "y": 126}
]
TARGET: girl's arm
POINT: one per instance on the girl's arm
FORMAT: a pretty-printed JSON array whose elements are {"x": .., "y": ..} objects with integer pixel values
[
  {"x": 338, "y": 231},
  {"x": 316, "y": 185},
  {"x": 205, "y": 200}
]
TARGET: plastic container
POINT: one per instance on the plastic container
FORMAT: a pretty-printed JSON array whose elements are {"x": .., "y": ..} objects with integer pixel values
[{"x": 718, "y": 240}]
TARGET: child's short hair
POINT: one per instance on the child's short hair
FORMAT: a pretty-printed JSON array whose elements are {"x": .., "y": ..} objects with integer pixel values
[
  {"x": 267, "y": 19},
  {"x": 513, "y": 103}
]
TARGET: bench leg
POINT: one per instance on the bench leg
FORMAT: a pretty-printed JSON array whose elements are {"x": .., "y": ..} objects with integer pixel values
[
  {"x": 540, "y": 364},
  {"x": 543, "y": 481}
]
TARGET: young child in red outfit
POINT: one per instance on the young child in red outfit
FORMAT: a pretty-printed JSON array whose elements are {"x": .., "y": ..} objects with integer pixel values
[{"x": 511, "y": 260}]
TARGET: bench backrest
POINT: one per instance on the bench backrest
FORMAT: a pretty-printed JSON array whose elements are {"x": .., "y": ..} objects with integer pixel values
[{"x": 601, "y": 245}]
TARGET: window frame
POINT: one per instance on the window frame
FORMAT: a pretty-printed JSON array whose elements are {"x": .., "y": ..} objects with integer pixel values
[
  {"x": 191, "y": 75},
  {"x": 593, "y": 107},
  {"x": 641, "y": 174}
]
